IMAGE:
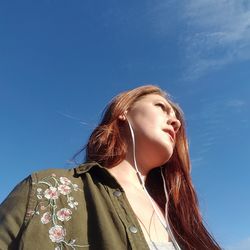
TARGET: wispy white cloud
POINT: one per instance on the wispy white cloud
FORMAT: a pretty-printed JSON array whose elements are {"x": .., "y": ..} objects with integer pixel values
[
  {"x": 216, "y": 119},
  {"x": 210, "y": 33},
  {"x": 242, "y": 245},
  {"x": 236, "y": 103},
  {"x": 207, "y": 124},
  {"x": 75, "y": 119},
  {"x": 72, "y": 118},
  {"x": 238, "y": 107},
  {"x": 218, "y": 33},
  {"x": 197, "y": 161}
]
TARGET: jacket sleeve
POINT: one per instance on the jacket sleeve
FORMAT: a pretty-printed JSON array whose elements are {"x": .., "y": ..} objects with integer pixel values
[{"x": 13, "y": 213}]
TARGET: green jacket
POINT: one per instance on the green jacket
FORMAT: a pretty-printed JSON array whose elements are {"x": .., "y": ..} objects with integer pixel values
[{"x": 80, "y": 208}]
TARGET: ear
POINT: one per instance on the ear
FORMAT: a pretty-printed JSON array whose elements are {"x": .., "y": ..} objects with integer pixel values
[{"x": 123, "y": 116}]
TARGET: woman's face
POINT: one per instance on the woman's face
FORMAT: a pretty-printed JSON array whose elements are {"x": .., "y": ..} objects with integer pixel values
[{"x": 155, "y": 126}]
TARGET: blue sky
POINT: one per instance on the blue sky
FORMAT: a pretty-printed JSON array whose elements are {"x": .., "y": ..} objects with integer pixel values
[{"x": 62, "y": 61}]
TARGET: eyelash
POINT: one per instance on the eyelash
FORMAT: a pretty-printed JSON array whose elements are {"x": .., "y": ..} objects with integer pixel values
[{"x": 163, "y": 107}]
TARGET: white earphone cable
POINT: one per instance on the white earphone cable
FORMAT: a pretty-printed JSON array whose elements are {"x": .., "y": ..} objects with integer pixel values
[{"x": 165, "y": 223}]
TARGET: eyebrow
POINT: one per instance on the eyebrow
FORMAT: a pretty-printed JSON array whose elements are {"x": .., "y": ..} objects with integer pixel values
[{"x": 168, "y": 105}]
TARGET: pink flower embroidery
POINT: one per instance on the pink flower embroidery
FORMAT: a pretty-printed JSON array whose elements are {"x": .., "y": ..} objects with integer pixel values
[
  {"x": 49, "y": 200},
  {"x": 64, "y": 214},
  {"x": 51, "y": 193},
  {"x": 65, "y": 181},
  {"x": 73, "y": 204},
  {"x": 64, "y": 189},
  {"x": 57, "y": 234},
  {"x": 46, "y": 218}
]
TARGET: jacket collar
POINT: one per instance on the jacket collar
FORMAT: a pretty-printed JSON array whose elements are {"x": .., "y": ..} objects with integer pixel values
[{"x": 85, "y": 167}]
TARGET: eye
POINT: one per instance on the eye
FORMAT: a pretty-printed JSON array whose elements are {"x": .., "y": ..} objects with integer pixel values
[{"x": 161, "y": 105}]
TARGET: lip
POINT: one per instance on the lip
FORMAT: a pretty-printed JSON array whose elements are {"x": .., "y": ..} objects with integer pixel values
[{"x": 171, "y": 133}]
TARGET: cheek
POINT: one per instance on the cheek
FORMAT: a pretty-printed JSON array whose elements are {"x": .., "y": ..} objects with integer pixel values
[{"x": 144, "y": 125}]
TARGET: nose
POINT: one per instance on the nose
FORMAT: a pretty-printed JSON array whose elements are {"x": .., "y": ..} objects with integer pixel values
[{"x": 175, "y": 123}]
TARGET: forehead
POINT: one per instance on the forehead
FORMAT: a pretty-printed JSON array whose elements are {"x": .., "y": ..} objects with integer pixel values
[{"x": 153, "y": 98}]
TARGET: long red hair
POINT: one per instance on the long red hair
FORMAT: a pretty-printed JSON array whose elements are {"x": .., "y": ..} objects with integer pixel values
[{"x": 107, "y": 146}]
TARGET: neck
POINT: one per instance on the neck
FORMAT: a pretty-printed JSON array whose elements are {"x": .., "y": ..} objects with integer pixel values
[{"x": 125, "y": 173}]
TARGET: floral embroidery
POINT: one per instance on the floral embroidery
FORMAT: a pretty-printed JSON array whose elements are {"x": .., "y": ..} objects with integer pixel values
[
  {"x": 51, "y": 193},
  {"x": 64, "y": 214},
  {"x": 48, "y": 192},
  {"x": 46, "y": 218},
  {"x": 64, "y": 189},
  {"x": 57, "y": 234},
  {"x": 72, "y": 203},
  {"x": 65, "y": 181}
]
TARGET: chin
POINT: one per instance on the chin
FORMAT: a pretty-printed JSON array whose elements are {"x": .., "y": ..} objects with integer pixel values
[
  {"x": 163, "y": 156},
  {"x": 166, "y": 154}
]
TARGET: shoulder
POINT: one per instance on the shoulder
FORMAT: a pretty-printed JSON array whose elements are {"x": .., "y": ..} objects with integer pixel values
[
  {"x": 72, "y": 173},
  {"x": 54, "y": 178},
  {"x": 59, "y": 172},
  {"x": 62, "y": 175},
  {"x": 51, "y": 184},
  {"x": 39, "y": 199}
]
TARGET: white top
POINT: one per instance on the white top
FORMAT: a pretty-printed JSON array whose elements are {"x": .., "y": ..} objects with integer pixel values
[{"x": 161, "y": 246}]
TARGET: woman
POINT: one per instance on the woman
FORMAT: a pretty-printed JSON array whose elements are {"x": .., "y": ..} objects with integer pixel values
[{"x": 134, "y": 190}]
